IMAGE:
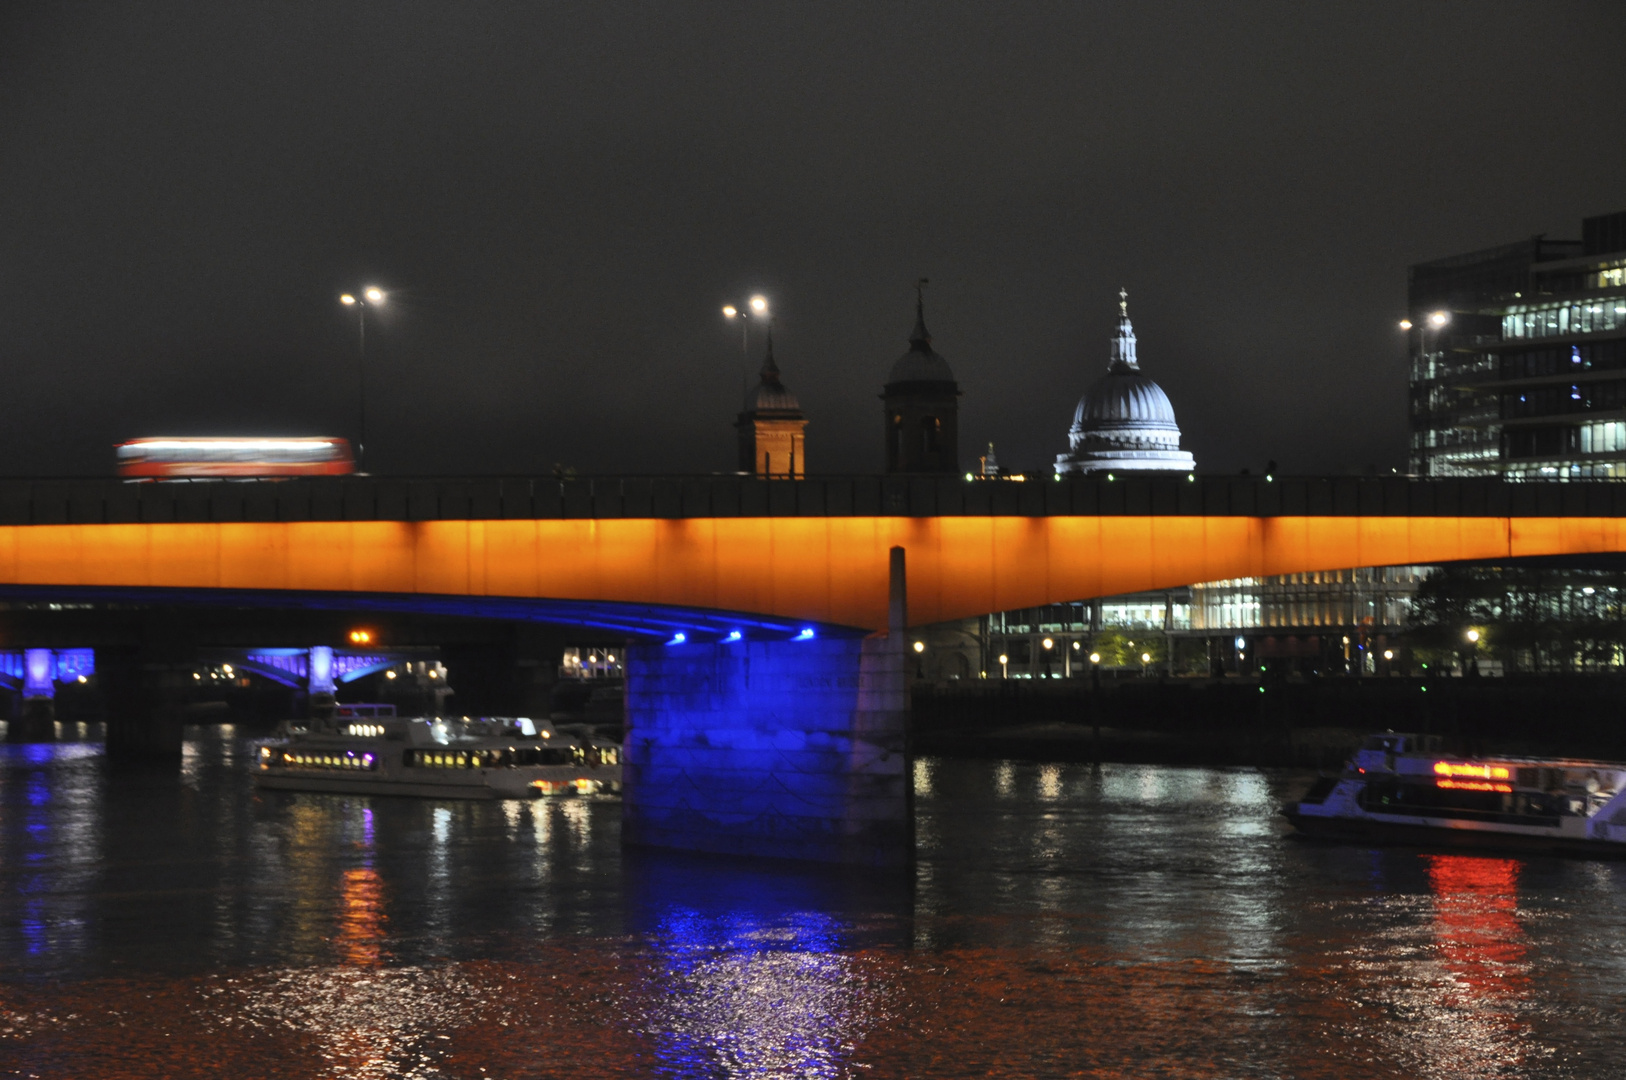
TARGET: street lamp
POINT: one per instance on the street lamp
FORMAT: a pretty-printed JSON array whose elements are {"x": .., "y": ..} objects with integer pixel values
[
  {"x": 1004, "y": 671},
  {"x": 754, "y": 308},
  {"x": 1436, "y": 321},
  {"x": 371, "y": 296}
]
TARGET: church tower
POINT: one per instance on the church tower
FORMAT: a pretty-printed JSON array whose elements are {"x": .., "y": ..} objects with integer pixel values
[
  {"x": 922, "y": 406},
  {"x": 772, "y": 428}
]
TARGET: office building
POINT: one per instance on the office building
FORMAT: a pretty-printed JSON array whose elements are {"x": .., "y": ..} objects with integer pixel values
[{"x": 1518, "y": 359}]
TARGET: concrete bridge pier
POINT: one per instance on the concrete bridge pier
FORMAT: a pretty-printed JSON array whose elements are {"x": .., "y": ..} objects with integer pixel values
[
  {"x": 35, "y": 722},
  {"x": 145, "y": 695},
  {"x": 783, "y": 749}
]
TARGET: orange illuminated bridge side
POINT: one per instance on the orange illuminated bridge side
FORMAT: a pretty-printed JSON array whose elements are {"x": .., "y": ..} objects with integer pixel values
[{"x": 828, "y": 569}]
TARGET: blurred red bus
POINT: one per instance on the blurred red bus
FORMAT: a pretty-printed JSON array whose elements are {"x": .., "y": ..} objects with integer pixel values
[{"x": 231, "y": 457}]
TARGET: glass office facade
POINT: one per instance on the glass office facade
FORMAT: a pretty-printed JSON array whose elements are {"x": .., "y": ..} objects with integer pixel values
[{"x": 1519, "y": 359}]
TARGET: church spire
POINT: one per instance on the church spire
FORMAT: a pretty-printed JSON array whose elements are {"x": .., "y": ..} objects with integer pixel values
[
  {"x": 770, "y": 370},
  {"x": 919, "y": 339},
  {"x": 1123, "y": 344}
]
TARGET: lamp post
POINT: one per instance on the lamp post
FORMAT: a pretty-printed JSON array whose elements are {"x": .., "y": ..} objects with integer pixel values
[
  {"x": 371, "y": 296},
  {"x": 1436, "y": 321},
  {"x": 755, "y": 308}
]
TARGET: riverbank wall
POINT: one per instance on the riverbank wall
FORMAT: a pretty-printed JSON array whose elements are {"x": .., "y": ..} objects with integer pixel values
[{"x": 1311, "y": 724}]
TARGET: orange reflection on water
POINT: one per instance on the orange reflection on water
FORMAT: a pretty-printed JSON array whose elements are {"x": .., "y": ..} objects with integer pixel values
[{"x": 361, "y": 918}]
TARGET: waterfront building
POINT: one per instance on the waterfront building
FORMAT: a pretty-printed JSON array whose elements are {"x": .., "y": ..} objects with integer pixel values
[
  {"x": 1124, "y": 422},
  {"x": 1518, "y": 359},
  {"x": 922, "y": 406},
  {"x": 772, "y": 429},
  {"x": 1335, "y": 622}
]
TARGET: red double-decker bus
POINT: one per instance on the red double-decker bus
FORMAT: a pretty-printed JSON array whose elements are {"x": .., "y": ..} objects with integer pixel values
[{"x": 189, "y": 456}]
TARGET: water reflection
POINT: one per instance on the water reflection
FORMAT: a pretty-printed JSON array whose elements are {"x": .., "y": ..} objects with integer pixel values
[
  {"x": 755, "y": 972},
  {"x": 1061, "y": 920},
  {"x": 360, "y": 934}
]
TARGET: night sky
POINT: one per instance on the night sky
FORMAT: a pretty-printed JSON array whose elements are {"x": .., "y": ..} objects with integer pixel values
[{"x": 560, "y": 198}]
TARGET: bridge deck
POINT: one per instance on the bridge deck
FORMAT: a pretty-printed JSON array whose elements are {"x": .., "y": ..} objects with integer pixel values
[{"x": 112, "y": 501}]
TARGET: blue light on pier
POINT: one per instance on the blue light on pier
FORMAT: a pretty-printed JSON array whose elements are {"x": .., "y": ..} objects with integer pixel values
[
  {"x": 734, "y": 635},
  {"x": 805, "y": 635},
  {"x": 678, "y": 638}
]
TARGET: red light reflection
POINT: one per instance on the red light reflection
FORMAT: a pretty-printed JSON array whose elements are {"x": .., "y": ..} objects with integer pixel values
[{"x": 1476, "y": 922}]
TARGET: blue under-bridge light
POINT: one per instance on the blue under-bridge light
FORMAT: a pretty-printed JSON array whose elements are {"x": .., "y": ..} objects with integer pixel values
[
  {"x": 678, "y": 638},
  {"x": 734, "y": 635},
  {"x": 805, "y": 635}
]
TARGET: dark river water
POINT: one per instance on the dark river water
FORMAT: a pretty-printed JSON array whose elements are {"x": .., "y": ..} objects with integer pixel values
[{"x": 1061, "y": 920}]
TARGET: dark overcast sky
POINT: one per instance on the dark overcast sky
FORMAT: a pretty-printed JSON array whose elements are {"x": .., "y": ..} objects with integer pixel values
[{"x": 562, "y": 196}]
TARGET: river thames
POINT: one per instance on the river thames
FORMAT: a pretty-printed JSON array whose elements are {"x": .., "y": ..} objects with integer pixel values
[{"x": 1061, "y": 920}]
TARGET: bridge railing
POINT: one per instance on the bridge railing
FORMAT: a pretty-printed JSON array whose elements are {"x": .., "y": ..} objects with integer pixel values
[{"x": 364, "y": 498}]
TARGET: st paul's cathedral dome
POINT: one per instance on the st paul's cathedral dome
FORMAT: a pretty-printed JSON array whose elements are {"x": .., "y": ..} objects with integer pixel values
[{"x": 1124, "y": 423}]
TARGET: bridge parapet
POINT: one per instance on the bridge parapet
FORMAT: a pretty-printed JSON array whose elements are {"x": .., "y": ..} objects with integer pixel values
[{"x": 112, "y": 501}]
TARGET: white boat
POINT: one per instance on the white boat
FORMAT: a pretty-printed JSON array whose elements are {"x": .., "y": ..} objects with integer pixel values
[
  {"x": 1403, "y": 789},
  {"x": 448, "y": 758}
]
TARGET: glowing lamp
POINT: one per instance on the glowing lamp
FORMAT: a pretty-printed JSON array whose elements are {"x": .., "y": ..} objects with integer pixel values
[
  {"x": 1439, "y": 319},
  {"x": 1473, "y": 636},
  {"x": 730, "y": 311},
  {"x": 347, "y": 300},
  {"x": 759, "y": 305},
  {"x": 805, "y": 635},
  {"x": 361, "y": 637},
  {"x": 374, "y": 294},
  {"x": 1003, "y": 659},
  {"x": 734, "y": 635},
  {"x": 1146, "y": 658},
  {"x": 1405, "y": 324},
  {"x": 920, "y": 646},
  {"x": 678, "y": 638},
  {"x": 1388, "y": 654},
  {"x": 1048, "y": 644},
  {"x": 1095, "y": 658}
]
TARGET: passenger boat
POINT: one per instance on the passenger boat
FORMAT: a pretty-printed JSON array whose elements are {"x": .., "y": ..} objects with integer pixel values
[
  {"x": 448, "y": 758},
  {"x": 1402, "y": 789}
]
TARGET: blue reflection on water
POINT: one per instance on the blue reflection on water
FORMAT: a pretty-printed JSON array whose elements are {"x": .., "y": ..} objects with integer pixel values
[{"x": 758, "y": 975}]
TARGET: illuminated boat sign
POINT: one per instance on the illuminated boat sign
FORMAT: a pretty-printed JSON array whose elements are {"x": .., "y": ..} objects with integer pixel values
[
  {"x": 1478, "y": 772},
  {"x": 1474, "y": 785}
]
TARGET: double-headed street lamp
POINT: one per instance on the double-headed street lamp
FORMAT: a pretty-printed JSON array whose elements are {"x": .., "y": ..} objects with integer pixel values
[
  {"x": 1436, "y": 321},
  {"x": 371, "y": 296},
  {"x": 755, "y": 308}
]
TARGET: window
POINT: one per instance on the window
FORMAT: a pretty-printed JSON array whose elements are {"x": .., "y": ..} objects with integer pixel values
[{"x": 931, "y": 431}]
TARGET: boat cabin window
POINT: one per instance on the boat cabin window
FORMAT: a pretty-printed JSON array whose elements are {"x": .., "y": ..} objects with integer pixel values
[
  {"x": 343, "y": 760},
  {"x": 1430, "y": 800}
]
